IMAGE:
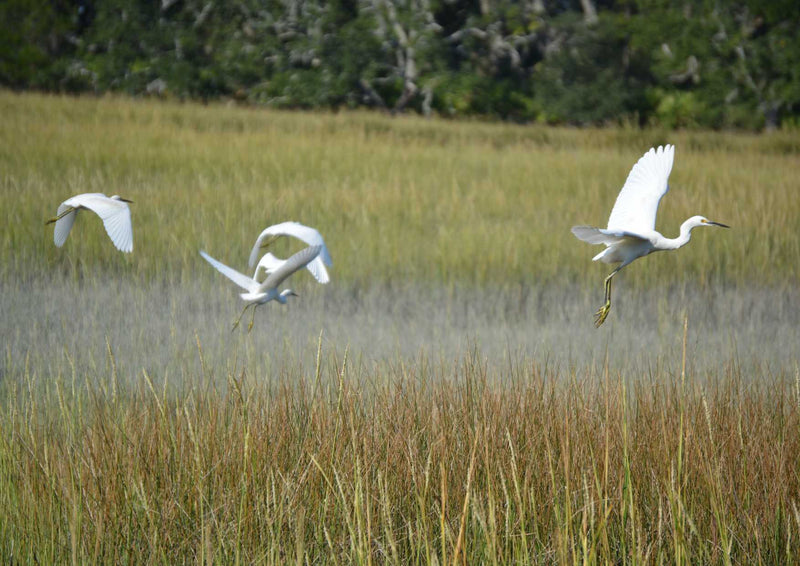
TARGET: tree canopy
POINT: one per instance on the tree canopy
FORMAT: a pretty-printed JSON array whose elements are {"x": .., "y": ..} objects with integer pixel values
[{"x": 692, "y": 63}]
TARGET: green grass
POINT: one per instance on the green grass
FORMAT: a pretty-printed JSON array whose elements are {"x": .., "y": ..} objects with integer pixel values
[{"x": 445, "y": 399}]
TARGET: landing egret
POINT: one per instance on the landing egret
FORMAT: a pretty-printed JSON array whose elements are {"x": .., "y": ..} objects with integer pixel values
[
  {"x": 260, "y": 293},
  {"x": 114, "y": 212},
  {"x": 309, "y": 235},
  {"x": 631, "y": 230}
]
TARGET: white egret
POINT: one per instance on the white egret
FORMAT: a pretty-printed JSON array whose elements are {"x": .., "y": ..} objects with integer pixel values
[
  {"x": 269, "y": 264},
  {"x": 631, "y": 230},
  {"x": 114, "y": 212},
  {"x": 309, "y": 235},
  {"x": 260, "y": 293}
]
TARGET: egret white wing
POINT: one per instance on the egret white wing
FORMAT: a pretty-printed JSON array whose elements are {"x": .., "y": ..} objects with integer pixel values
[
  {"x": 116, "y": 216},
  {"x": 120, "y": 230},
  {"x": 604, "y": 236},
  {"x": 305, "y": 233},
  {"x": 317, "y": 269},
  {"x": 269, "y": 263},
  {"x": 242, "y": 280},
  {"x": 637, "y": 204},
  {"x": 63, "y": 224},
  {"x": 297, "y": 261},
  {"x": 80, "y": 200},
  {"x": 593, "y": 235}
]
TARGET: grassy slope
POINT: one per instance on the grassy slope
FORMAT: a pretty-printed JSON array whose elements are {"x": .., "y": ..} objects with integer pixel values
[{"x": 176, "y": 440}]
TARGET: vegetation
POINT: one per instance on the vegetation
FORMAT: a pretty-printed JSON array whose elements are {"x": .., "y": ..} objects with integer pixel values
[
  {"x": 721, "y": 64},
  {"x": 445, "y": 399},
  {"x": 408, "y": 200},
  {"x": 420, "y": 464}
]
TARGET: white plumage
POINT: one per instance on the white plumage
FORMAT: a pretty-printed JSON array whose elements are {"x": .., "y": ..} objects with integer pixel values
[
  {"x": 114, "y": 212},
  {"x": 308, "y": 235},
  {"x": 637, "y": 203},
  {"x": 260, "y": 293},
  {"x": 631, "y": 230}
]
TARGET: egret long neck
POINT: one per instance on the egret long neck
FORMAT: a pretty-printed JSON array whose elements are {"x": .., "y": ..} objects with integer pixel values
[{"x": 682, "y": 239}]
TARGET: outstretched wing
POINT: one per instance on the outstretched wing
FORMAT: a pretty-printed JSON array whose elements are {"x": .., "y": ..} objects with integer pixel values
[
  {"x": 116, "y": 216},
  {"x": 297, "y": 261},
  {"x": 269, "y": 263},
  {"x": 604, "y": 236},
  {"x": 317, "y": 268},
  {"x": 63, "y": 224},
  {"x": 242, "y": 280},
  {"x": 305, "y": 233},
  {"x": 637, "y": 204}
]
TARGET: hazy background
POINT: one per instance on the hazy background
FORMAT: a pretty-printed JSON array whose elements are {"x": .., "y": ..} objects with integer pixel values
[{"x": 156, "y": 327}]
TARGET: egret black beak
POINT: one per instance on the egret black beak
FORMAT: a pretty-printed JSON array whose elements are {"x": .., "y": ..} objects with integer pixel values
[
  {"x": 124, "y": 199},
  {"x": 718, "y": 224}
]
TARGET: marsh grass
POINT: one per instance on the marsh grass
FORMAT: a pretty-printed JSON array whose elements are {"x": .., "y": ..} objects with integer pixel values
[
  {"x": 423, "y": 463},
  {"x": 399, "y": 200},
  {"x": 445, "y": 400}
]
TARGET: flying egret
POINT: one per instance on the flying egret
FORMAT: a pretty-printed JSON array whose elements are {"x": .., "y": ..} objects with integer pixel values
[
  {"x": 260, "y": 293},
  {"x": 631, "y": 230},
  {"x": 114, "y": 212},
  {"x": 309, "y": 235}
]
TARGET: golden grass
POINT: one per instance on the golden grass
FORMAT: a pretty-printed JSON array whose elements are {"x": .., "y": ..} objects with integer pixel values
[{"x": 420, "y": 464}]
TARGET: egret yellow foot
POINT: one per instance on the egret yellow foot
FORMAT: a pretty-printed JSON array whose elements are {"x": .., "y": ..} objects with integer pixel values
[
  {"x": 236, "y": 322},
  {"x": 252, "y": 320},
  {"x": 601, "y": 314}
]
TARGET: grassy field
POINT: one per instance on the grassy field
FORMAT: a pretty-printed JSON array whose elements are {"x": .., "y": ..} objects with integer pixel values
[{"x": 446, "y": 398}]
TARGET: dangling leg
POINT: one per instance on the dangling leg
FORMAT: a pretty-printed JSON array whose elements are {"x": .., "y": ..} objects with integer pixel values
[
  {"x": 236, "y": 323},
  {"x": 252, "y": 318},
  {"x": 60, "y": 216},
  {"x": 602, "y": 312}
]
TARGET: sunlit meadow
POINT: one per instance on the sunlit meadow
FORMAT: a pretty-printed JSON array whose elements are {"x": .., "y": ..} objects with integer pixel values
[{"x": 446, "y": 398}]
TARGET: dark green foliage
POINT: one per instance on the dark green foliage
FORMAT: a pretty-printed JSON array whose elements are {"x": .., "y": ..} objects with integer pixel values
[
  {"x": 596, "y": 77},
  {"x": 707, "y": 64},
  {"x": 37, "y": 43}
]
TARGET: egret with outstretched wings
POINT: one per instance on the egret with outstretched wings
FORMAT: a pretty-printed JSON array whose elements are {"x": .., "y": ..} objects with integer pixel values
[
  {"x": 296, "y": 230},
  {"x": 631, "y": 232},
  {"x": 259, "y": 293},
  {"x": 114, "y": 212}
]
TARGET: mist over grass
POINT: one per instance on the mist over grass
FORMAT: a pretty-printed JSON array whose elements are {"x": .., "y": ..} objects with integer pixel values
[
  {"x": 445, "y": 398},
  {"x": 158, "y": 328}
]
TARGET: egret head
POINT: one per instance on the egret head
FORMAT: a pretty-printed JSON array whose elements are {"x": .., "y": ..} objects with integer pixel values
[
  {"x": 285, "y": 294},
  {"x": 117, "y": 197},
  {"x": 703, "y": 221}
]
